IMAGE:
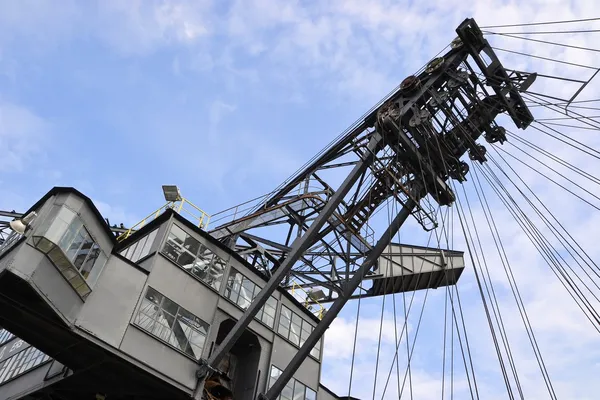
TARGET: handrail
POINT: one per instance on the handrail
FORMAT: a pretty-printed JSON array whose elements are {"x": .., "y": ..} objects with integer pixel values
[
  {"x": 305, "y": 303},
  {"x": 237, "y": 210},
  {"x": 200, "y": 220}
]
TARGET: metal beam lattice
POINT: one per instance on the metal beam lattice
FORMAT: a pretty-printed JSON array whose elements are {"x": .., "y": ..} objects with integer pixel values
[
  {"x": 404, "y": 151},
  {"x": 427, "y": 125}
]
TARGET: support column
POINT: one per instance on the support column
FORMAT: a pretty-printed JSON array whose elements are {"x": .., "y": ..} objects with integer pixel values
[
  {"x": 300, "y": 245},
  {"x": 339, "y": 303}
]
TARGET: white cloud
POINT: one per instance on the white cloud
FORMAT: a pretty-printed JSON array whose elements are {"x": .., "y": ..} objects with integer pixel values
[
  {"x": 339, "y": 338},
  {"x": 117, "y": 214},
  {"x": 357, "y": 50},
  {"x": 131, "y": 28},
  {"x": 139, "y": 27},
  {"x": 22, "y": 137}
]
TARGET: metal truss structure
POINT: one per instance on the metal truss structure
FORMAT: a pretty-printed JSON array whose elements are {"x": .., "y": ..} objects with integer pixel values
[
  {"x": 310, "y": 234},
  {"x": 405, "y": 150},
  {"x": 416, "y": 138},
  {"x": 5, "y": 218}
]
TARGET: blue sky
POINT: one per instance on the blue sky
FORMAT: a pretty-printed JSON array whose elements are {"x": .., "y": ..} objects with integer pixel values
[{"x": 226, "y": 99}]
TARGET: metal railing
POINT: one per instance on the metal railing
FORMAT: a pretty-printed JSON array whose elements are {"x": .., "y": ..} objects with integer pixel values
[
  {"x": 183, "y": 206},
  {"x": 7, "y": 244},
  {"x": 321, "y": 311}
]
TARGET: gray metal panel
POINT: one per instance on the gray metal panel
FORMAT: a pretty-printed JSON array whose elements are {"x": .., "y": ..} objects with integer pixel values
[
  {"x": 324, "y": 394},
  {"x": 43, "y": 212},
  {"x": 159, "y": 356},
  {"x": 398, "y": 260},
  {"x": 26, "y": 260},
  {"x": 33, "y": 266},
  {"x": 263, "y": 365},
  {"x": 179, "y": 286},
  {"x": 148, "y": 263},
  {"x": 109, "y": 308},
  {"x": 8, "y": 259},
  {"x": 72, "y": 201},
  {"x": 62, "y": 198},
  {"x": 51, "y": 284},
  {"x": 403, "y": 268},
  {"x": 308, "y": 373}
]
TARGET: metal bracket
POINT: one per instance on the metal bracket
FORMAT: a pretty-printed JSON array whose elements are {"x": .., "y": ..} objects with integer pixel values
[{"x": 204, "y": 369}]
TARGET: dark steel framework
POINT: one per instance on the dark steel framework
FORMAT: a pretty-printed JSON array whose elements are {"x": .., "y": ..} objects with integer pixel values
[
  {"x": 404, "y": 150},
  {"x": 6, "y": 217}
]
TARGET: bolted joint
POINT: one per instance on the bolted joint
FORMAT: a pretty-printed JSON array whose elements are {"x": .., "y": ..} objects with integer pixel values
[{"x": 204, "y": 369}]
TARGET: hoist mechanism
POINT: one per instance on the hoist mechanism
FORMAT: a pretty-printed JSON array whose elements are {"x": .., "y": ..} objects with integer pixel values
[
  {"x": 420, "y": 135},
  {"x": 405, "y": 150}
]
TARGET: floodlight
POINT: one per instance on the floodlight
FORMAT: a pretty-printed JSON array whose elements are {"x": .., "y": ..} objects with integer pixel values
[
  {"x": 20, "y": 225},
  {"x": 171, "y": 193},
  {"x": 316, "y": 295}
]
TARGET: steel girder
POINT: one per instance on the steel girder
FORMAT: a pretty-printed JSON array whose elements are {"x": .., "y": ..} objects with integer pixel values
[{"x": 431, "y": 121}]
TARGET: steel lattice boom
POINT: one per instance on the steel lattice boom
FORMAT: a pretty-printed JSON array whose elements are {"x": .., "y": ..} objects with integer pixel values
[
  {"x": 440, "y": 150},
  {"x": 314, "y": 233},
  {"x": 405, "y": 151},
  {"x": 420, "y": 133}
]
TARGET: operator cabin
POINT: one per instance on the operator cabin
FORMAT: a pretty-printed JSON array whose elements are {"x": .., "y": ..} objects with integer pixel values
[{"x": 99, "y": 316}]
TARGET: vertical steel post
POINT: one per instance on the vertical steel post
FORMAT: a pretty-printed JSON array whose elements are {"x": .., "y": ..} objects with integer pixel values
[
  {"x": 337, "y": 305},
  {"x": 300, "y": 245}
]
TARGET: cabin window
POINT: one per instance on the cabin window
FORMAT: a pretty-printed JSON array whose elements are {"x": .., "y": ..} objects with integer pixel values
[
  {"x": 194, "y": 257},
  {"x": 172, "y": 324},
  {"x": 242, "y": 291},
  {"x": 5, "y": 336},
  {"x": 69, "y": 245},
  {"x": 20, "y": 363},
  {"x": 140, "y": 248},
  {"x": 296, "y": 329},
  {"x": 293, "y": 390}
]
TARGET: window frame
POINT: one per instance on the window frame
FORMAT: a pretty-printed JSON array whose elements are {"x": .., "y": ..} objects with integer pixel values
[
  {"x": 5, "y": 336},
  {"x": 67, "y": 246},
  {"x": 145, "y": 250},
  {"x": 214, "y": 258},
  {"x": 56, "y": 236},
  {"x": 255, "y": 290},
  {"x": 293, "y": 381},
  {"x": 176, "y": 319},
  {"x": 21, "y": 362},
  {"x": 315, "y": 352}
]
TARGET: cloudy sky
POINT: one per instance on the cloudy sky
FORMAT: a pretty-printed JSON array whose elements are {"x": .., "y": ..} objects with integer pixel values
[{"x": 227, "y": 98}]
